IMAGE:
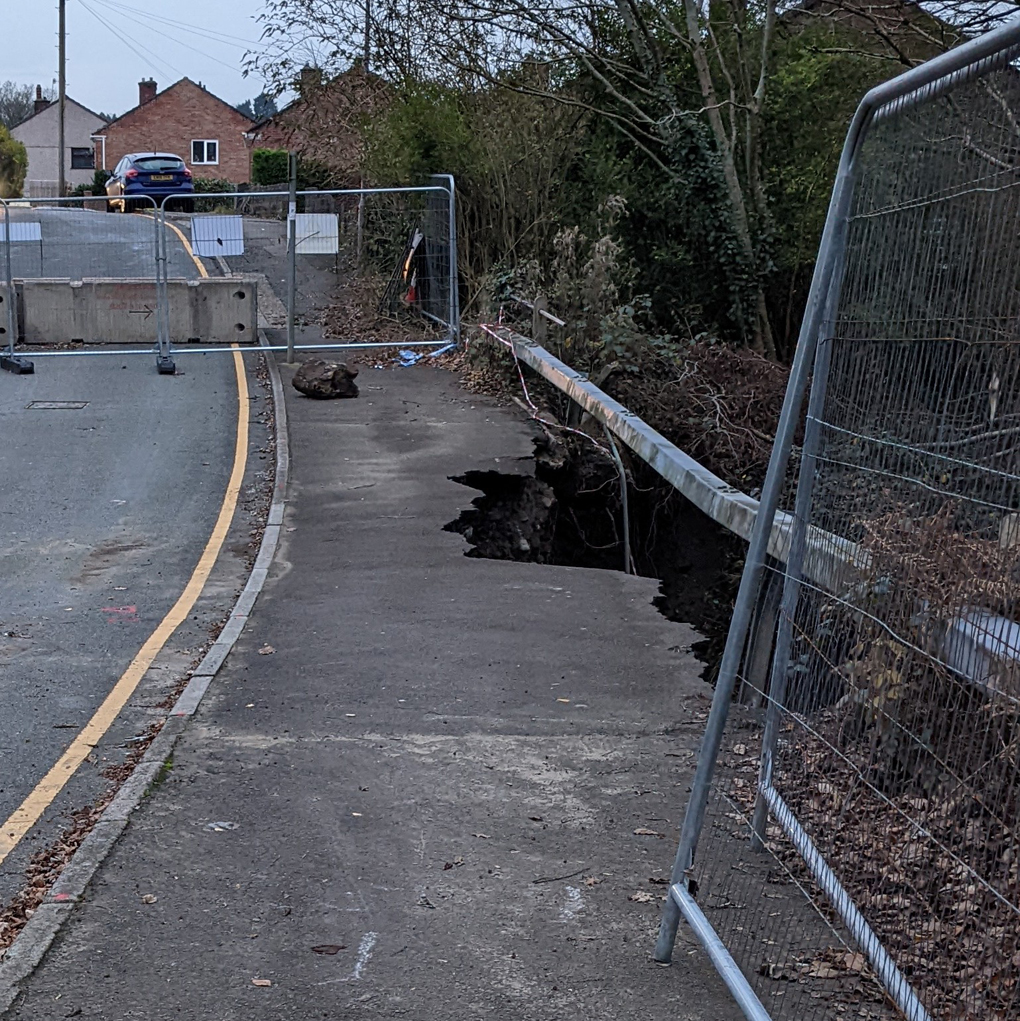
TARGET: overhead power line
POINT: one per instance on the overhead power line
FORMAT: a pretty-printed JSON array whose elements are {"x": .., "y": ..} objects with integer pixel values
[
  {"x": 152, "y": 60},
  {"x": 180, "y": 42},
  {"x": 208, "y": 33}
]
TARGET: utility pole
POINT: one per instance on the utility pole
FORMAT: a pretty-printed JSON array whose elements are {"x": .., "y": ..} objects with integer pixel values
[{"x": 62, "y": 99}]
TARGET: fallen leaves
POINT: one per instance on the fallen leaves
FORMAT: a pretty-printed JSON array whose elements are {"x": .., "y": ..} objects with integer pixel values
[
  {"x": 856, "y": 962},
  {"x": 262, "y": 983},
  {"x": 643, "y": 831},
  {"x": 46, "y": 865},
  {"x": 266, "y": 650},
  {"x": 149, "y": 898},
  {"x": 329, "y": 949},
  {"x": 641, "y": 897}
]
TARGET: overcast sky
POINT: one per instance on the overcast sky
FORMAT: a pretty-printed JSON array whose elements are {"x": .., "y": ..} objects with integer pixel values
[{"x": 103, "y": 70}]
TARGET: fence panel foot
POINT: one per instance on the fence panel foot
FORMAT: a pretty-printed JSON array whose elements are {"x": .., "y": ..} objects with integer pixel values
[{"x": 18, "y": 365}]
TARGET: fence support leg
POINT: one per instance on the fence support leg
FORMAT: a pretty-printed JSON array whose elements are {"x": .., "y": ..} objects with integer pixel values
[
  {"x": 292, "y": 258},
  {"x": 624, "y": 500},
  {"x": 830, "y": 254},
  {"x": 165, "y": 365},
  {"x": 8, "y": 359}
]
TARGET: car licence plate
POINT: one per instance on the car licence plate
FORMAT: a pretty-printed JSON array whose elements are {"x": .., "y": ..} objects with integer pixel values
[{"x": 162, "y": 177}]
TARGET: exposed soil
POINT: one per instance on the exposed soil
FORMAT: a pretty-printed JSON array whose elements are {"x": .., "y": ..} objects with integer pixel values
[{"x": 570, "y": 513}]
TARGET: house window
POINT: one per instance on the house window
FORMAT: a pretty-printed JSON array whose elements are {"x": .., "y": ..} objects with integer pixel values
[
  {"x": 83, "y": 159},
  {"x": 205, "y": 151}
]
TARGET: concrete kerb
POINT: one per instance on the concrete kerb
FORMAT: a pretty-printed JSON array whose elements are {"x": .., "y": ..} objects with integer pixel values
[{"x": 27, "y": 951}]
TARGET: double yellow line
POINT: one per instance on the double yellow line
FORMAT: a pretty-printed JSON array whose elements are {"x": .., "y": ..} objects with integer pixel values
[
  {"x": 202, "y": 271},
  {"x": 31, "y": 809}
]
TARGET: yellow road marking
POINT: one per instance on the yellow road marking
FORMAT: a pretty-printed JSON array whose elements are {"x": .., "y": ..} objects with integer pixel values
[
  {"x": 32, "y": 808},
  {"x": 202, "y": 271}
]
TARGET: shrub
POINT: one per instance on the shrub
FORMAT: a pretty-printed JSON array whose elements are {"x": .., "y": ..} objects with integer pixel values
[
  {"x": 97, "y": 186},
  {"x": 269, "y": 166},
  {"x": 13, "y": 165},
  {"x": 205, "y": 185}
]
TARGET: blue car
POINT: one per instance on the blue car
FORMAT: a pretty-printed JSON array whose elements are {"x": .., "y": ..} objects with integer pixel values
[{"x": 153, "y": 174}]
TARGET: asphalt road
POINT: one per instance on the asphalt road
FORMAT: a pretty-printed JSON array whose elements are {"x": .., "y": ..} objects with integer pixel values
[
  {"x": 105, "y": 510},
  {"x": 80, "y": 243}
]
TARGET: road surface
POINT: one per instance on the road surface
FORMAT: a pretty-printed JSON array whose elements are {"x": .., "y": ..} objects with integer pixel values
[
  {"x": 80, "y": 243},
  {"x": 113, "y": 479}
]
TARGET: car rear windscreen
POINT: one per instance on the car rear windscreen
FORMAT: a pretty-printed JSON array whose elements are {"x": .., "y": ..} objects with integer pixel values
[{"x": 158, "y": 163}]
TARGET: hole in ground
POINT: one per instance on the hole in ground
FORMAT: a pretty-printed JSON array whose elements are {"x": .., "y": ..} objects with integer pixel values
[{"x": 568, "y": 512}]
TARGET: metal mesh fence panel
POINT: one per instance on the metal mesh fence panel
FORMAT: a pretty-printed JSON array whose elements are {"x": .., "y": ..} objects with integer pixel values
[
  {"x": 859, "y": 850},
  {"x": 78, "y": 275},
  {"x": 373, "y": 267},
  {"x": 388, "y": 253}
]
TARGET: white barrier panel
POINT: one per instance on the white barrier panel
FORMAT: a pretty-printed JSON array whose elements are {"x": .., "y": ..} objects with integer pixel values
[
  {"x": 213, "y": 236},
  {"x": 317, "y": 233},
  {"x": 22, "y": 231}
]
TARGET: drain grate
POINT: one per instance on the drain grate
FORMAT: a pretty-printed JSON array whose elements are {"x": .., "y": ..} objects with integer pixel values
[{"x": 57, "y": 405}]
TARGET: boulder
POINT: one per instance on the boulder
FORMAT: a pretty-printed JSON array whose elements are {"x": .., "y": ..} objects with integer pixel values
[{"x": 325, "y": 380}]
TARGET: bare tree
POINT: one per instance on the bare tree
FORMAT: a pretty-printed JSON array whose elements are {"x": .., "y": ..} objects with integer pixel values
[
  {"x": 661, "y": 73},
  {"x": 623, "y": 51},
  {"x": 17, "y": 102}
]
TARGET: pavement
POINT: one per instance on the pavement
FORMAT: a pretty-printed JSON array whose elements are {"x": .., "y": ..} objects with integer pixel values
[{"x": 414, "y": 788}]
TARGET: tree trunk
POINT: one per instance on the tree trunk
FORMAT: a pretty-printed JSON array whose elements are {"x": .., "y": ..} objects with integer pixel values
[{"x": 762, "y": 338}]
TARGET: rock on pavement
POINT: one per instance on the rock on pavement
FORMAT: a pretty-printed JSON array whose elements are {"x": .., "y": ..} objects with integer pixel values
[{"x": 324, "y": 380}]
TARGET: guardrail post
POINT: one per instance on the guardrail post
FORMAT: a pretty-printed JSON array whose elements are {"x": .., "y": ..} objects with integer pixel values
[
  {"x": 763, "y": 633},
  {"x": 539, "y": 325}
]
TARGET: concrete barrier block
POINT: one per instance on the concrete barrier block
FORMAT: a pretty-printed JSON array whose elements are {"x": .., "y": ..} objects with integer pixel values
[
  {"x": 224, "y": 309},
  {"x": 216, "y": 310}
]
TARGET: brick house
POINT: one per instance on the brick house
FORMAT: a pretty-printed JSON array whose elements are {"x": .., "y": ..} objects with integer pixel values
[
  {"x": 185, "y": 119},
  {"x": 325, "y": 123}
]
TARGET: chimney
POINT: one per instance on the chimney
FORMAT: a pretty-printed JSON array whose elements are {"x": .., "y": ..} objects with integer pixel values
[
  {"x": 40, "y": 103},
  {"x": 309, "y": 81},
  {"x": 146, "y": 91}
]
